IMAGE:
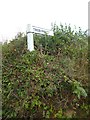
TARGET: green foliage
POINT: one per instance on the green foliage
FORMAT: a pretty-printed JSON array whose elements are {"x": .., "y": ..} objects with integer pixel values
[
  {"x": 78, "y": 89},
  {"x": 15, "y": 48},
  {"x": 59, "y": 114},
  {"x": 48, "y": 81}
]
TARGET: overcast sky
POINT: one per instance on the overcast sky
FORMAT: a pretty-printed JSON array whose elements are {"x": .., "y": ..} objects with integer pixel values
[{"x": 16, "y": 14}]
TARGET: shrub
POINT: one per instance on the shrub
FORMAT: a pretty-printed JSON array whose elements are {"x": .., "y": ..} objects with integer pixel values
[{"x": 45, "y": 84}]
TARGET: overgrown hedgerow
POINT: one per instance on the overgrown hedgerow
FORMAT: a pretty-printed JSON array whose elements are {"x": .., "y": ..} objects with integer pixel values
[{"x": 48, "y": 82}]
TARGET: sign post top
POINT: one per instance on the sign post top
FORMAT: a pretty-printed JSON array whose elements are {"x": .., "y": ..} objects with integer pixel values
[{"x": 38, "y": 30}]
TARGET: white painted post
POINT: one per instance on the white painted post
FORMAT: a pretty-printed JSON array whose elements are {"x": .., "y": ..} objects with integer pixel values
[{"x": 30, "y": 41}]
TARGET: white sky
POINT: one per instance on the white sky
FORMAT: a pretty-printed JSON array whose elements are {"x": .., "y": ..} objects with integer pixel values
[{"x": 16, "y": 14}]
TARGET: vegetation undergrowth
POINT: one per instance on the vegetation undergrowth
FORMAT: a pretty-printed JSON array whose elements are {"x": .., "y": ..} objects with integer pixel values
[{"x": 50, "y": 82}]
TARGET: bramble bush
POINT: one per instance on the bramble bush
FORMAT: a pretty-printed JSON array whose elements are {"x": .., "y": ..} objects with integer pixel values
[{"x": 47, "y": 82}]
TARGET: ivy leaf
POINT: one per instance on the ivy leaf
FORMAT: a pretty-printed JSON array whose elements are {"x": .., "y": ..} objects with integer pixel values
[{"x": 82, "y": 91}]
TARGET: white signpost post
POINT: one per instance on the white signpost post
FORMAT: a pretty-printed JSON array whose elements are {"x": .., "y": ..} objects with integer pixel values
[{"x": 33, "y": 29}]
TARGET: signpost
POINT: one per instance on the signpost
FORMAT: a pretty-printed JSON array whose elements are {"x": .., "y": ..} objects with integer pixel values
[{"x": 33, "y": 29}]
